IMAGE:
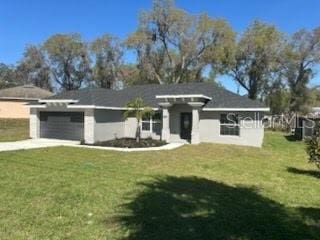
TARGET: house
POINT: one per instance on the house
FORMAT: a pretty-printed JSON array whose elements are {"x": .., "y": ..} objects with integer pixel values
[
  {"x": 192, "y": 112},
  {"x": 13, "y": 100},
  {"x": 305, "y": 125},
  {"x": 316, "y": 111}
]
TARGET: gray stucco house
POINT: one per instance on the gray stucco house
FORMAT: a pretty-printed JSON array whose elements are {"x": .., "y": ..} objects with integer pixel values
[{"x": 194, "y": 112}]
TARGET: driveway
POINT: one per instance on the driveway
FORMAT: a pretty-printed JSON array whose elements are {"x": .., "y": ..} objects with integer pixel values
[{"x": 35, "y": 143}]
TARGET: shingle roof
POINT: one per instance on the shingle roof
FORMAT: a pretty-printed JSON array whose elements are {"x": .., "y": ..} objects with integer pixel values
[
  {"x": 24, "y": 92},
  {"x": 221, "y": 98}
]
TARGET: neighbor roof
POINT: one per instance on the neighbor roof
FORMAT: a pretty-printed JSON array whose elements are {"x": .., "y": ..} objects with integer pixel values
[
  {"x": 25, "y": 92},
  {"x": 220, "y": 97}
]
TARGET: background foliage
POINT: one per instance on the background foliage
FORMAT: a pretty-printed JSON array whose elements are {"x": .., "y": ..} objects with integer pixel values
[{"x": 171, "y": 45}]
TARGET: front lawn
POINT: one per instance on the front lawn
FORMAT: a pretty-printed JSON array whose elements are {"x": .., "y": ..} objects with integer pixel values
[
  {"x": 14, "y": 129},
  {"x": 205, "y": 192}
]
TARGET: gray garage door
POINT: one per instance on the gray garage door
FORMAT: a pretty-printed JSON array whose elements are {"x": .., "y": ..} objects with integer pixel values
[{"x": 62, "y": 125}]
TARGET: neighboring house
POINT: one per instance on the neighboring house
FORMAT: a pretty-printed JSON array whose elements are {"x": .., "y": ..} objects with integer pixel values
[
  {"x": 316, "y": 111},
  {"x": 195, "y": 112},
  {"x": 13, "y": 100},
  {"x": 305, "y": 125}
]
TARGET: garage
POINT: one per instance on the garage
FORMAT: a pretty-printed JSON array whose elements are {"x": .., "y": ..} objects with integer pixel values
[{"x": 62, "y": 125}]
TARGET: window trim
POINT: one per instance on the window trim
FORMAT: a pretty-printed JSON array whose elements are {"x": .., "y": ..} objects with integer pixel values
[
  {"x": 151, "y": 121},
  {"x": 230, "y": 124}
]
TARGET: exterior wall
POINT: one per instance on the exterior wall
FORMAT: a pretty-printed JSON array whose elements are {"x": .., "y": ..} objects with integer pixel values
[
  {"x": 102, "y": 125},
  {"x": 34, "y": 123},
  {"x": 175, "y": 112},
  {"x": 108, "y": 125},
  {"x": 89, "y": 123},
  {"x": 251, "y": 129},
  {"x": 13, "y": 109},
  {"x": 130, "y": 128}
]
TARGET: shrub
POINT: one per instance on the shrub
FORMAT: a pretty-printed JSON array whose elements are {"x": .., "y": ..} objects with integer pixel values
[
  {"x": 131, "y": 143},
  {"x": 313, "y": 146}
]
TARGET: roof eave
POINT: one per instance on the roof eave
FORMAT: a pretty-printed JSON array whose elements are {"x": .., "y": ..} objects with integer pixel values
[
  {"x": 175, "y": 96},
  {"x": 258, "y": 109},
  {"x": 19, "y": 98},
  {"x": 58, "y": 101}
]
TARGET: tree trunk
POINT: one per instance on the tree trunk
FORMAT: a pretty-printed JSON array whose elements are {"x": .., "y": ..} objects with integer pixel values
[
  {"x": 252, "y": 94},
  {"x": 138, "y": 133}
]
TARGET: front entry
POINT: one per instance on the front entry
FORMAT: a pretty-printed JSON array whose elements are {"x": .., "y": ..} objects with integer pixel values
[{"x": 185, "y": 125}]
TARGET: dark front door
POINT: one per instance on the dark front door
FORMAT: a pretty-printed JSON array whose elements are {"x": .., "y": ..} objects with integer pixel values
[{"x": 185, "y": 125}]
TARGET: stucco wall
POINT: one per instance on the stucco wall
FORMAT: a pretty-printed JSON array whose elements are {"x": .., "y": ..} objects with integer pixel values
[
  {"x": 251, "y": 129},
  {"x": 130, "y": 126},
  {"x": 108, "y": 125},
  {"x": 34, "y": 122},
  {"x": 13, "y": 109}
]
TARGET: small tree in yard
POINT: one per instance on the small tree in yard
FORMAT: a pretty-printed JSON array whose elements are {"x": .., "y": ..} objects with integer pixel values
[
  {"x": 313, "y": 146},
  {"x": 139, "y": 110}
]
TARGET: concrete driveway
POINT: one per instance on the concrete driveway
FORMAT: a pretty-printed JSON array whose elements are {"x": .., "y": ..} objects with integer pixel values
[{"x": 35, "y": 143}]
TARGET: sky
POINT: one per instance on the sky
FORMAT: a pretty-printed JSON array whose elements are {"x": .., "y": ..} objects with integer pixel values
[{"x": 33, "y": 21}]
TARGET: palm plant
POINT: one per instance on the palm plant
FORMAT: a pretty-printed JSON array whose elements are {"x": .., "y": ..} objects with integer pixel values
[{"x": 137, "y": 108}]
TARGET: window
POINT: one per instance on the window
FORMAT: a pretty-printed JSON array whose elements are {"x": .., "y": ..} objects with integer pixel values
[
  {"x": 229, "y": 124},
  {"x": 152, "y": 124}
]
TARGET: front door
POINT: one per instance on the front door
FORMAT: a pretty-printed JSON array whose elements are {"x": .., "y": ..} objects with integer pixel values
[{"x": 185, "y": 125}]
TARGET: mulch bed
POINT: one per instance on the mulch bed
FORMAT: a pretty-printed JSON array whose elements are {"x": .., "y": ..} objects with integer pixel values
[{"x": 131, "y": 143}]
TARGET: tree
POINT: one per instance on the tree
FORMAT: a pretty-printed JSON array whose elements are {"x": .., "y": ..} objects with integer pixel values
[
  {"x": 34, "y": 69},
  {"x": 139, "y": 110},
  {"x": 7, "y": 76},
  {"x": 255, "y": 58},
  {"x": 108, "y": 53},
  {"x": 173, "y": 46},
  {"x": 131, "y": 75},
  {"x": 301, "y": 56},
  {"x": 279, "y": 101},
  {"x": 313, "y": 146},
  {"x": 315, "y": 95},
  {"x": 212, "y": 78},
  {"x": 68, "y": 60}
]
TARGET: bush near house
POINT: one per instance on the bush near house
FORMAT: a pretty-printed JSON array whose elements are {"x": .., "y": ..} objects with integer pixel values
[
  {"x": 14, "y": 129},
  {"x": 131, "y": 143}
]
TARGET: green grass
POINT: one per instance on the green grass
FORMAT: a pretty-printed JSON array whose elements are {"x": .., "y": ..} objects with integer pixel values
[
  {"x": 14, "y": 129},
  {"x": 208, "y": 191}
]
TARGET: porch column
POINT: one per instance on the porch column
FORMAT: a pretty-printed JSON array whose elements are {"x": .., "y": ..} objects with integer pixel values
[
  {"x": 89, "y": 126},
  {"x": 165, "y": 133},
  {"x": 195, "y": 132},
  {"x": 34, "y": 123}
]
